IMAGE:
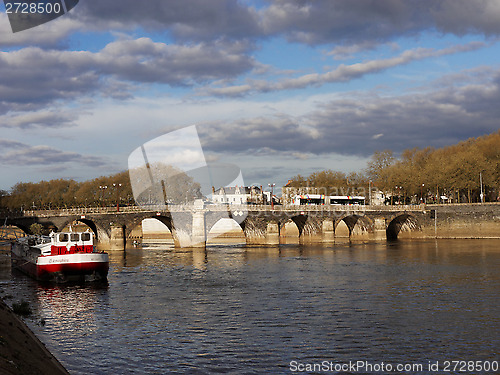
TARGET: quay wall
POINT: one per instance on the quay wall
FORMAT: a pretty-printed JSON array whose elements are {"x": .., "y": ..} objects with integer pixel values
[
  {"x": 21, "y": 352},
  {"x": 463, "y": 221}
]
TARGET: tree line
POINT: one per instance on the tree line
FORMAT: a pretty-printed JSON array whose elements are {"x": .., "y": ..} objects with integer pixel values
[
  {"x": 176, "y": 186},
  {"x": 457, "y": 173},
  {"x": 329, "y": 182},
  {"x": 64, "y": 193}
]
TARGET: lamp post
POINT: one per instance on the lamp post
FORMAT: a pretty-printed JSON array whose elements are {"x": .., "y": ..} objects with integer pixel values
[
  {"x": 370, "y": 192},
  {"x": 481, "y": 182},
  {"x": 117, "y": 186},
  {"x": 399, "y": 188},
  {"x": 272, "y": 191},
  {"x": 422, "y": 193}
]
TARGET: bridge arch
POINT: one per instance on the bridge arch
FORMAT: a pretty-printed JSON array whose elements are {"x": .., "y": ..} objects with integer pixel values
[
  {"x": 23, "y": 228},
  {"x": 9, "y": 233},
  {"x": 353, "y": 221},
  {"x": 135, "y": 221},
  {"x": 225, "y": 230},
  {"x": 99, "y": 232},
  {"x": 147, "y": 229},
  {"x": 294, "y": 225},
  {"x": 166, "y": 220},
  {"x": 313, "y": 226},
  {"x": 91, "y": 225},
  {"x": 260, "y": 229},
  {"x": 401, "y": 222},
  {"x": 289, "y": 228}
]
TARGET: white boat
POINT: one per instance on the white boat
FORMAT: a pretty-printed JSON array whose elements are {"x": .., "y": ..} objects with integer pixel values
[{"x": 60, "y": 257}]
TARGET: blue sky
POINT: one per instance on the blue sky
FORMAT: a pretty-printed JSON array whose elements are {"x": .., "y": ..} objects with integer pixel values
[{"x": 277, "y": 87}]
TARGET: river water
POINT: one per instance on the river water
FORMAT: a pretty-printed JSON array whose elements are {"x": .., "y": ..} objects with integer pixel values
[{"x": 237, "y": 310}]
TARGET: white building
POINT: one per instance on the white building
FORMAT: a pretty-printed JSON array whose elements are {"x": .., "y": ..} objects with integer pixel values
[
  {"x": 237, "y": 195},
  {"x": 377, "y": 198}
]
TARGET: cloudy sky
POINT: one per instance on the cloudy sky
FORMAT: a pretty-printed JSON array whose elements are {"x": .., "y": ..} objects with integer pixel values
[{"x": 277, "y": 87}]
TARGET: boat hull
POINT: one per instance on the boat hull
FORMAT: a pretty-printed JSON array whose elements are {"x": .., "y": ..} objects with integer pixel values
[{"x": 62, "y": 268}]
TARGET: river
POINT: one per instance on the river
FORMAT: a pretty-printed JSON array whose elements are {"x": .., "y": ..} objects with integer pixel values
[{"x": 237, "y": 310}]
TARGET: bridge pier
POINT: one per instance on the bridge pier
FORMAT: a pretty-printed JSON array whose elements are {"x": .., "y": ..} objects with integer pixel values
[
  {"x": 261, "y": 232},
  {"x": 117, "y": 237},
  {"x": 379, "y": 227},
  {"x": 199, "y": 234},
  {"x": 328, "y": 231},
  {"x": 272, "y": 234}
]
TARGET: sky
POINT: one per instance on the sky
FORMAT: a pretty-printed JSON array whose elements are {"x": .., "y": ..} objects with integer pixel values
[{"x": 278, "y": 88}]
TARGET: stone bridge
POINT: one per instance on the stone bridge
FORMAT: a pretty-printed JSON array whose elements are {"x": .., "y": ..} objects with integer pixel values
[{"x": 262, "y": 225}]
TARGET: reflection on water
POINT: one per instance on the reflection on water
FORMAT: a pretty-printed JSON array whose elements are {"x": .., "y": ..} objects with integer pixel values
[
  {"x": 70, "y": 307},
  {"x": 237, "y": 310}
]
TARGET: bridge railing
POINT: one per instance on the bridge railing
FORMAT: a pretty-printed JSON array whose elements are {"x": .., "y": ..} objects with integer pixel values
[
  {"x": 220, "y": 207},
  {"x": 335, "y": 207},
  {"x": 84, "y": 210}
]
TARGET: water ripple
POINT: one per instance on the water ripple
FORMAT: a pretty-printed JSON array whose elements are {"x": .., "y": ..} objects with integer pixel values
[{"x": 232, "y": 311}]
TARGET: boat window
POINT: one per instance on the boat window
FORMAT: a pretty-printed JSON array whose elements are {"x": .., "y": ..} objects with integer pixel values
[
  {"x": 85, "y": 236},
  {"x": 75, "y": 237},
  {"x": 63, "y": 237}
]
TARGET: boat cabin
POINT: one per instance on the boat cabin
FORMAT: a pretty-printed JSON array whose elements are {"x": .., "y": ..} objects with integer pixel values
[{"x": 71, "y": 243}]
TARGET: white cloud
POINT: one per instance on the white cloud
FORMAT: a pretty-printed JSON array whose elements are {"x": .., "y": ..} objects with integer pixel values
[
  {"x": 343, "y": 73},
  {"x": 49, "y": 119},
  {"x": 34, "y": 78},
  {"x": 21, "y": 154}
]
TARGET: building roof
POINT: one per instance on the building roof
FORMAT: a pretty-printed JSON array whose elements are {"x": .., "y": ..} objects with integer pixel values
[{"x": 237, "y": 190}]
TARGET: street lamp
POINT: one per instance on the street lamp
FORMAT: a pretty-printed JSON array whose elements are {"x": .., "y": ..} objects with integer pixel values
[
  {"x": 422, "y": 193},
  {"x": 370, "y": 192},
  {"x": 481, "y": 182},
  {"x": 272, "y": 191}
]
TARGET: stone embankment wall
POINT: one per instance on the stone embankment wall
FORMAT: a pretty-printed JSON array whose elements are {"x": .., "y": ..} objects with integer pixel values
[
  {"x": 458, "y": 221},
  {"x": 464, "y": 221},
  {"x": 21, "y": 352}
]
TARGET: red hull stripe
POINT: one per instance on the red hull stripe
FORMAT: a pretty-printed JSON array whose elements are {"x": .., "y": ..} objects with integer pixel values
[
  {"x": 73, "y": 268},
  {"x": 69, "y": 269}
]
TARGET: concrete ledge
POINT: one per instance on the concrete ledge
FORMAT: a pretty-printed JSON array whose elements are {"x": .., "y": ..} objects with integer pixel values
[{"x": 21, "y": 352}]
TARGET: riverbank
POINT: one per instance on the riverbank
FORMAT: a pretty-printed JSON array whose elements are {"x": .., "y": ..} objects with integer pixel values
[{"x": 21, "y": 352}]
